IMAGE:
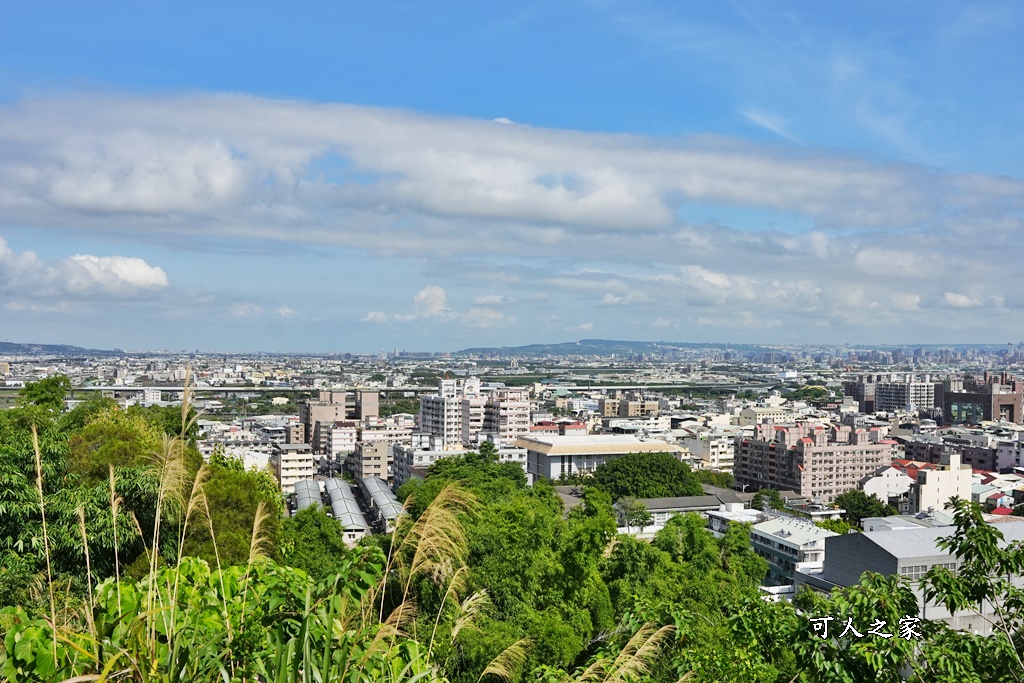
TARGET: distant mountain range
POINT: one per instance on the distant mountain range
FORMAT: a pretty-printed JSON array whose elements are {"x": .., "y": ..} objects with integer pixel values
[
  {"x": 601, "y": 347},
  {"x": 607, "y": 347},
  {"x": 12, "y": 349}
]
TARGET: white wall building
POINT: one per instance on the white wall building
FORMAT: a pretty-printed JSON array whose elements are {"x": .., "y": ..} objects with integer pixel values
[
  {"x": 715, "y": 449},
  {"x": 550, "y": 457},
  {"x": 934, "y": 487},
  {"x": 790, "y": 545},
  {"x": 292, "y": 462}
]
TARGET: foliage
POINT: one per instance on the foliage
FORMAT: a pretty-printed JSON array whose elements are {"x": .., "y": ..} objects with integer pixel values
[
  {"x": 646, "y": 475},
  {"x": 48, "y": 393},
  {"x": 768, "y": 499},
  {"x": 838, "y": 526},
  {"x": 859, "y": 505},
  {"x": 809, "y": 392},
  {"x": 720, "y": 479},
  {"x": 313, "y": 542},
  {"x": 634, "y": 513},
  {"x": 410, "y": 406}
]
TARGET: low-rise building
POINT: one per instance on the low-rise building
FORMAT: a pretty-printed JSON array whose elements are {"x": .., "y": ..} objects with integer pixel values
[
  {"x": 790, "y": 545},
  {"x": 909, "y": 553},
  {"x": 292, "y": 463},
  {"x": 550, "y": 457}
]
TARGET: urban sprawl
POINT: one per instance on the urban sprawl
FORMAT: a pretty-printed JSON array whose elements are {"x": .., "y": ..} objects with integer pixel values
[{"x": 910, "y": 428}]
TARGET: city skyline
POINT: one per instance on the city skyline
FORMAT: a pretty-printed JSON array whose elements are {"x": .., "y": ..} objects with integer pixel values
[{"x": 359, "y": 179}]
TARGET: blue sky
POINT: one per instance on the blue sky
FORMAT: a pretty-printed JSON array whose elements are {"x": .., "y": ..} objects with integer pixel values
[{"x": 357, "y": 176}]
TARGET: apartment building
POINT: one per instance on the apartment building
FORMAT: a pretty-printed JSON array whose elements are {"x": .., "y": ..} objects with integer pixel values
[
  {"x": 371, "y": 459},
  {"x": 816, "y": 461},
  {"x": 292, "y": 463},
  {"x": 506, "y": 415},
  {"x": 762, "y": 414},
  {"x": 335, "y": 406},
  {"x": 715, "y": 449},
  {"x": 936, "y": 485},
  {"x": 907, "y": 396},
  {"x": 463, "y": 414},
  {"x": 441, "y": 414}
]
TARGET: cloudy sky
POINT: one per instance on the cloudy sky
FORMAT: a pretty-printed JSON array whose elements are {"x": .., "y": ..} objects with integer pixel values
[{"x": 430, "y": 176}]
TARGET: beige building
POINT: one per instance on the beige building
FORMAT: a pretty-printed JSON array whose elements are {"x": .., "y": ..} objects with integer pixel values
[
  {"x": 336, "y": 406},
  {"x": 372, "y": 459},
  {"x": 758, "y": 415},
  {"x": 549, "y": 457},
  {"x": 934, "y": 487},
  {"x": 715, "y": 449},
  {"x": 292, "y": 463}
]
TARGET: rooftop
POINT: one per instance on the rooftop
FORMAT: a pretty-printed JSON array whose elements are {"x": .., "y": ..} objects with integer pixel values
[{"x": 599, "y": 443}]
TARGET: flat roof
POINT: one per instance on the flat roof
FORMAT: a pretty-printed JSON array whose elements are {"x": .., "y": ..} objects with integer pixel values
[
  {"x": 798, "y": 532},
  {"x": 599, "y": 443}
]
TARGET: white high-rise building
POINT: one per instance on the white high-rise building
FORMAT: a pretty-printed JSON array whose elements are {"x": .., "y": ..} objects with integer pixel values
[{"x": 462, "y": 414}]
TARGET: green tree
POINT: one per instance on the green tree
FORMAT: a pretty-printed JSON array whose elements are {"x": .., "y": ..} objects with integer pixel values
[
  {"x": 859, "y": 505},
  {"x": 48, "y": 393},
  {"x": 720, "y": 479},
  {"x": 313, "y": 542},
  {"x": 233, "y": 497},
  {"x": 634, "y": 513},
  {"x": 112, "y": 438},
  {"x": 768, "y": 499},
  {"x": 839, "y": 526},
  {"x": 646, "y": 475}
]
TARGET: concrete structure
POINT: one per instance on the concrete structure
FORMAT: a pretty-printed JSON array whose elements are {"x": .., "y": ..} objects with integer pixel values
[
  {"x": 996, "y": 397},
  {"x": 935, "y": 486},
  {"x": 732, "y": 513},
  {"x": 909, "y": 553},
  {"x": 552, "y": 456},
  {"x": 372, "y": 459},
  {"x": 506, "y": 415},
  {"x": 346, "y": 511},
  {"x": 715, "y": 449},
  {"x": 292, "y": 463},
  {"x": 441, "y": 414},
  {"x": 817, "y": 462},
  {"x": 888, "y": 484},
  {"x": 904, "y": 396},
  {"x": 336, "y": 406},
  {"x": 759, "y": 415},
  {"x": 790, "y": 545},
  {"x": 343, "y": 438}
]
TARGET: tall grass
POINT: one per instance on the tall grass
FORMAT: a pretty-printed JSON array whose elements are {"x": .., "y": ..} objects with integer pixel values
[{"x": 262, "y": 622}]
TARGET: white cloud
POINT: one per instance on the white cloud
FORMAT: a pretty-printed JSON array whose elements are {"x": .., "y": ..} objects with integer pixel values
[
  {"x": 285, "y": 312},
  {"x": 431, "y": 301},
  {"x": 81, "y": 277},
  {"x": 376, "y": 317},
  {"x": 244, "y": 310},
  {"x": 768, "y": 121},
  {"x": 957, "y": 300},
  {"x": 492, "y": 300},
  {"x": 230, "y": 165},
  {"x": 661, "y": 323},
  {"x": 487, "y": 317}
]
